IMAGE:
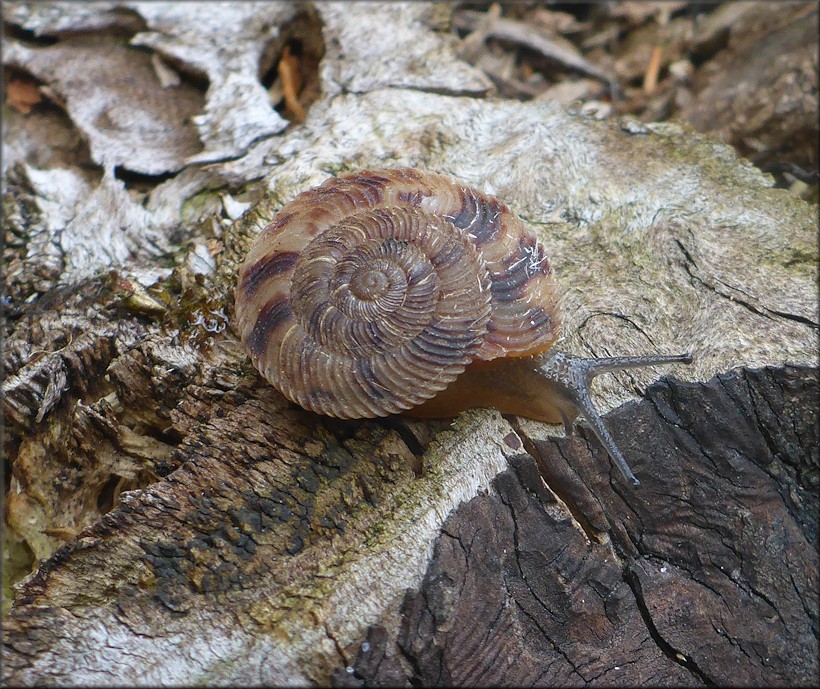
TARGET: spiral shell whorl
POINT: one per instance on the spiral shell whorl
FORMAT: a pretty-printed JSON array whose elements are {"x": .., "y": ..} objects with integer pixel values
[{"x": 372, "y": 292}]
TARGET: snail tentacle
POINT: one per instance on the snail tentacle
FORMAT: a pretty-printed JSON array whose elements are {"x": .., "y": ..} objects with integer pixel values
[{"x": 568, "y": 381}]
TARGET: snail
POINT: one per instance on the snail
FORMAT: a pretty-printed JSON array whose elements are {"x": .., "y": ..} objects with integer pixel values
[{"x": 399, "y": 291}]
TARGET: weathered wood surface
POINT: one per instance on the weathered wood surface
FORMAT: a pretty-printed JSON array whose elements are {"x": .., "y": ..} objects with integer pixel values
[
  {"x": 707, "y": 575},
  {"x": 192, "y": 527}
]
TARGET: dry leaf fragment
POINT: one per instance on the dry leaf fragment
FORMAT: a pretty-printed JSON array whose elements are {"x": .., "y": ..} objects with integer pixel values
[
  {"x": 650, "y": 79},
  {"x": 638, "y": 12},
  {"x": 473, "y": 41},
  {"x": 168, "y": 77},
  {"x": 63, "y": 533},
  {"x": 23, "y": 94},
  {"x": 551, "y": 47},
  {"x": 215, "y": 247},
  {"x": 288, "y": 70}
]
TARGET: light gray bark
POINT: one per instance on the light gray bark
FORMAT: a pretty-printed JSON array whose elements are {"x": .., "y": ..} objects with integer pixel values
[{"x": 250, "y": 542}]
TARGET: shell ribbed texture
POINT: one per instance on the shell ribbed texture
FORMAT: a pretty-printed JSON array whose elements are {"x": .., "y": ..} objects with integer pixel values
[{"x": 371, "y": 293}]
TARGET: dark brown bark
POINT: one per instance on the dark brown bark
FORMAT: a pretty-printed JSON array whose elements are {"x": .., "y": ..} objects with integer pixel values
[{"x": 705, "y": 575}]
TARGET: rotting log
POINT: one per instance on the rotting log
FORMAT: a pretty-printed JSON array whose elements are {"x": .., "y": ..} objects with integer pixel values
[
  {"x": 187, "y": 525},
  {"x": 707, "y": 574},
  {"x": 258, "y": 561}
]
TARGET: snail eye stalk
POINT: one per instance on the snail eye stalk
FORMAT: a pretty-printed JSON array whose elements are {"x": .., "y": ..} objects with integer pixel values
[{"x": 569, "y": 379}]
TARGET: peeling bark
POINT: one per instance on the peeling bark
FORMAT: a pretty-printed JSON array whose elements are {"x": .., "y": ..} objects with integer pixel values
[{"x": 174, "y": 520}]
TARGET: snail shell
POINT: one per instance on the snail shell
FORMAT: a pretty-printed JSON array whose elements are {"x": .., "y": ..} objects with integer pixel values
[{"x": 370, "y": 294}]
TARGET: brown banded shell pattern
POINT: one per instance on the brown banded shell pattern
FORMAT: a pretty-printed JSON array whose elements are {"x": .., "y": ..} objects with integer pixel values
[{"x": 371, "y": 293}]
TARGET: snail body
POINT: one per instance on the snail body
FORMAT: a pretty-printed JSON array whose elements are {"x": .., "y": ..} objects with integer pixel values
[{"x": 397, "y": 291}]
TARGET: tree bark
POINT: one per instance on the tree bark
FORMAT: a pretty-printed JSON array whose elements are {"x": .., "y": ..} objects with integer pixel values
[
  {"x": 183, "y": 523},
  {"x": 705, "y": 575}
]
